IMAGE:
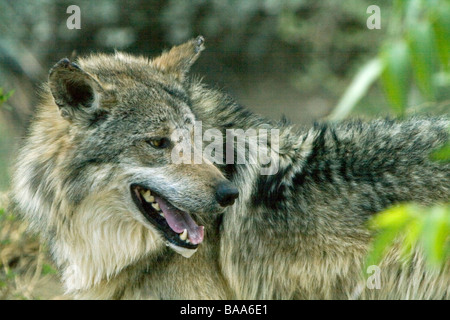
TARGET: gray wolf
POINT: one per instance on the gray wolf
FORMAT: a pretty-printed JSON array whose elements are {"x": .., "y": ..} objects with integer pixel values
[{"x": 95, "y": 178}]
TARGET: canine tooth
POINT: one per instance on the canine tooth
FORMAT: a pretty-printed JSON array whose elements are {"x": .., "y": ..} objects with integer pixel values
[
  {"x": 185, "y": 252},
  {"x": 147, "y": 195},
  {"x": 155, "y": 206},
  {"x": 183, "y": 236},
  {"x": 161, "y": 214}
]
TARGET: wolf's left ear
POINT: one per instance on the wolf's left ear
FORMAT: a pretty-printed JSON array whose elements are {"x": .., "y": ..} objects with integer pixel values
[
  {"x": 75, "y": 91},
  {"x": 178, "y": 60}
]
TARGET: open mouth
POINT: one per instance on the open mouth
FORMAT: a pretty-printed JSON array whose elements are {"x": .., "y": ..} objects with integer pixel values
[{"x": 177, "y": 226}]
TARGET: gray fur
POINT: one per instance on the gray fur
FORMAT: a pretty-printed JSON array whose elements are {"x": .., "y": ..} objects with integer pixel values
[{"x": 300, "y": 233}]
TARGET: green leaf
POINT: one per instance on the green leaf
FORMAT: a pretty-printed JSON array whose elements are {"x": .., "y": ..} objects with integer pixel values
[
  {"x": 414, "y": 9},
  {"x": 413, "y": 224},
  {"x": 396, "y": 75},
  {"x": 441, "y": 27},
  {"x": 436, "y": 235},
  {"x": 368, "y": 74},
  {"x": 424, "y": 57},
  {"x": 394, "y": 217},
  {"x": 442, "y": 154},
  {"x": 380, "y": 245},
  {"x": 5, "y": 97},
  {"x": 48, "y": 269},
  {"x": 413, "y": 232},
  {"x": 388, "y": 224}
]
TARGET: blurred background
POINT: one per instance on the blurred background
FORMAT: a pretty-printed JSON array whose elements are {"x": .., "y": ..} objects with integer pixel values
[
  {"x": 292, "y": 57},
  {"x": 305, "y": 59}
]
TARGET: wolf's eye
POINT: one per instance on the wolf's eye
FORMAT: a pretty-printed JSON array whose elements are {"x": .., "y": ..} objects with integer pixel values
[{"x": 159, "y": 143}]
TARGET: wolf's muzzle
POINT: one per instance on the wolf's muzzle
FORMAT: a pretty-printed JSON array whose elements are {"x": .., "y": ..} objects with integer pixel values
[{"x": 226, "y": 193}]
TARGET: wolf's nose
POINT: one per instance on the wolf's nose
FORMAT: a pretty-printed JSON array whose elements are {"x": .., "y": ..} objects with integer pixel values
[{"x": 226, "y": 193}]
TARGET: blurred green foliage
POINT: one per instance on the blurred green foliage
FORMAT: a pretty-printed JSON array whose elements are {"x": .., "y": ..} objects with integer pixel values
[
  {"x": 442, "y": 154},
  {"x": 412, "y": 66},
  {"x": 428, "y": 227},
  {"x": 4, "y": 142},
  {"x": 5, "y": 96},
  {"x": 417, "y": 55}
]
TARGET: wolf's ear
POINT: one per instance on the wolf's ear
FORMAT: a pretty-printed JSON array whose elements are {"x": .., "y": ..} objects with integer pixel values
[
  {"x": 178, "y": 60},
  {"x": 75, "y": 91}
]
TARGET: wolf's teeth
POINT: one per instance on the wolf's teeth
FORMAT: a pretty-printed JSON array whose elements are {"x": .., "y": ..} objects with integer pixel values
[
  {"x": 161, "y": 214},
  {"x": 155, "y": 206},
  {"x": 147, "y": 195},
  {"x": 183, "y": 236}
]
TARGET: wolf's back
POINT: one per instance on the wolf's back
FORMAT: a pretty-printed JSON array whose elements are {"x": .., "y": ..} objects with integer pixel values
[{"x": 309, "y": 220}]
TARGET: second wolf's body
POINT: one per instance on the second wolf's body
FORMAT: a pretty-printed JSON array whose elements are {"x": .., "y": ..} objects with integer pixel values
[{"x": 298, "y": 233}]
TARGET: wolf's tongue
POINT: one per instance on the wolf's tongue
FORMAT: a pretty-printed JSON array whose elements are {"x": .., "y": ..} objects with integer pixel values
[{"x": 179, "y": 220}]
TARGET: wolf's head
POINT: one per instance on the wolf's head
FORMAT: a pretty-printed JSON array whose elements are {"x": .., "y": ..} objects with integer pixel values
[{"x": 97, "y": 170}]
